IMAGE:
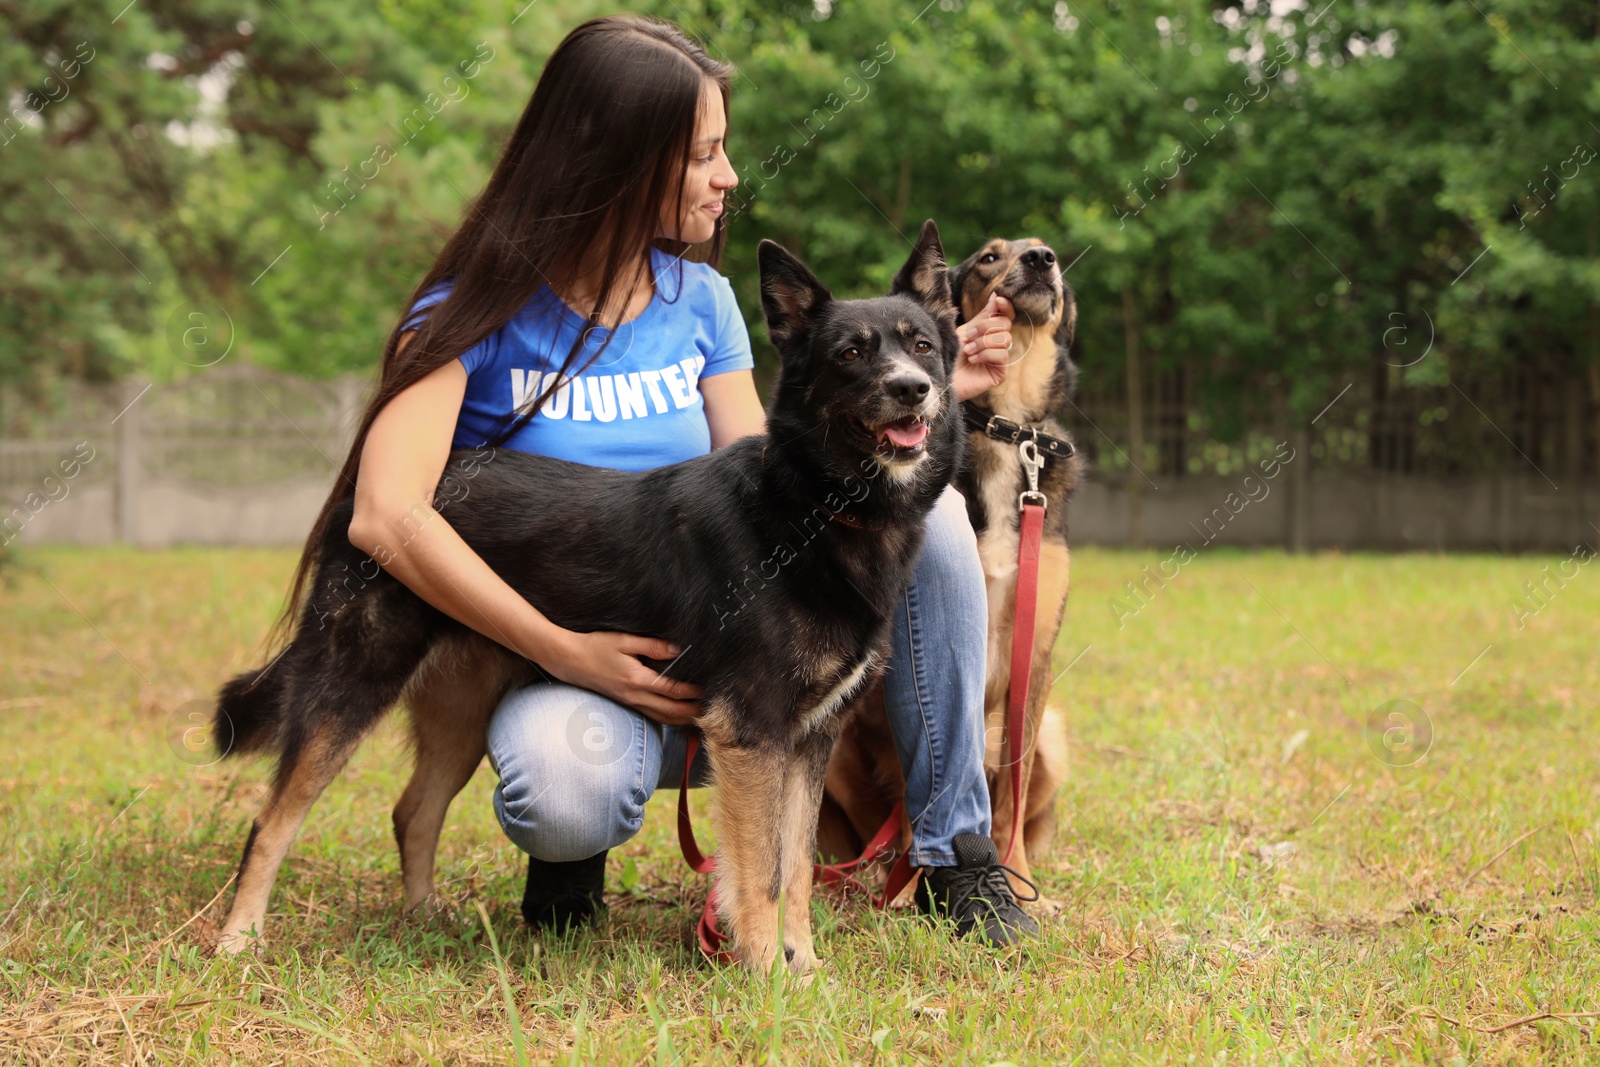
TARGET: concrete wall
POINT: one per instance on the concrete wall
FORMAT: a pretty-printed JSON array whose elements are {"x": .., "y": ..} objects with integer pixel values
[
  {"x": 171, "y": 513},
  {"x": 1490, "y": 513}
]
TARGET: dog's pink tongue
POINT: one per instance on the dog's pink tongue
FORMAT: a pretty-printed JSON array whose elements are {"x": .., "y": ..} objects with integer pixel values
[{"x": 907, "y": 436}]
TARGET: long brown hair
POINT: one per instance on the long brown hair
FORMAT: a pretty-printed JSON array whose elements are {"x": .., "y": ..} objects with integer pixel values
[{"x": 603, "y": 144}]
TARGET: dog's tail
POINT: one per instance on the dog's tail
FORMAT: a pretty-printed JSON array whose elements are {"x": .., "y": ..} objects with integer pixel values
[
  {"x": 254, "y": 708},
  {"x": 250, "y": 713}
]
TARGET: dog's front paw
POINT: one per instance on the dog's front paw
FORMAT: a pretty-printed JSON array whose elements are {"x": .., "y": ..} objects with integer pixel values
[
  {"x": 801, "y": 960},
  {"x": 756, "y": 958},
  {"x": 229, "y": 943},
  {"x": 1048, "y": 907},
  {"x": 213, "y": 942},
  {"x": 432, "y": 906},
  {"x": 208, "y": 936},
  {"x": 798, "y": 960}
]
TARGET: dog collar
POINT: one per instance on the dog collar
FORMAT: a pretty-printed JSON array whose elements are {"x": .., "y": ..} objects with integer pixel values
[
  {"x": 848, "y": 520},
  {"x": 1002, "y": 429}
]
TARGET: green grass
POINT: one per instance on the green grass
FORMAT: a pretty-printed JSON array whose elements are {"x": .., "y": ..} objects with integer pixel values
[{"x": 1247, "y": 872}]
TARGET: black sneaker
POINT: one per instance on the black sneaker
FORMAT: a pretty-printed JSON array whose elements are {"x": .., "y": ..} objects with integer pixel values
[
  {"x": 564, "y": 895},
  {"x": 975, "y": 893}
]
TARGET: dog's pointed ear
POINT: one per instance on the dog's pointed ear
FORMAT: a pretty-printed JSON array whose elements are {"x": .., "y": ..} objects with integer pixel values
[
  {"x": 791, "y": 296},
  {"x": 923, "y": 278},
  {"x": 1067, "y": 332},
  {"x": 957, "y": 279}
]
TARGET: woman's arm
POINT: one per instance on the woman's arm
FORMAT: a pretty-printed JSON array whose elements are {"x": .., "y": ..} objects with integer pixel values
[
  {"x": 733, "y": 410},
  {"x": 395, "y": 523}
]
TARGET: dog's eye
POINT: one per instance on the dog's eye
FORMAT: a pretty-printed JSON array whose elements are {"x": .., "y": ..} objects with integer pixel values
[
  {"x": 989, "y": 257},
  {"x": 924, "y": 346},
  {"x": 851, "y": 353}
]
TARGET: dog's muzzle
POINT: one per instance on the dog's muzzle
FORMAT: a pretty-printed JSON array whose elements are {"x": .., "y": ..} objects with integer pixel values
[{"x": 901, "y": 437}]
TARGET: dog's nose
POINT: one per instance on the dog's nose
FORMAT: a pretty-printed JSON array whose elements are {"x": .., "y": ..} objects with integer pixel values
[
  {"x": 909, "y": 389},
  {"x": 1040, "y": 258}
]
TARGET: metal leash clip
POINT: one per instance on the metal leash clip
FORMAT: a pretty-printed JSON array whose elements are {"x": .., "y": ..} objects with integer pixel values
[{"x": 1029, "y": 450}]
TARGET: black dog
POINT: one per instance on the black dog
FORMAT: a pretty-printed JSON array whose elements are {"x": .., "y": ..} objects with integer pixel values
[{"x": 774, "y": 563}]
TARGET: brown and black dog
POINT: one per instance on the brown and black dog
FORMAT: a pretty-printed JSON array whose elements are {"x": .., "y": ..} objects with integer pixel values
[
  {"x": 774, "y": 562},
  {"x": 864, "y": 780}
]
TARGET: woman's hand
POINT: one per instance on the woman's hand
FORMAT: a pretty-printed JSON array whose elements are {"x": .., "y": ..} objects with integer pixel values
[
  {"x": 985, "y": 349},
  {"x": 605, "y": 662}
]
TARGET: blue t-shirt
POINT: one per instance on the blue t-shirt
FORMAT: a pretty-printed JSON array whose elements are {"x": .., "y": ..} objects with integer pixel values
[{"x": 638, "y": 406}]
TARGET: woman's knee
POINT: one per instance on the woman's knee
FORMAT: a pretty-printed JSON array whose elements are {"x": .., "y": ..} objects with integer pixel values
[
  {"x": 572, "y": 771},
  {"x": 949, "y": 547}
]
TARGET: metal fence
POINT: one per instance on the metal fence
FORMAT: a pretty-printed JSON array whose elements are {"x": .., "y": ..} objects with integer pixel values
[
  {"x": 1508, "y": 462},
  {"x": 234, "y": 456},
  {"x": 1527, "y": 417}
]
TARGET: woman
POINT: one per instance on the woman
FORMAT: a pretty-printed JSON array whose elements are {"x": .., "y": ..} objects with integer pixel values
[{"x": 562, "y": 319}]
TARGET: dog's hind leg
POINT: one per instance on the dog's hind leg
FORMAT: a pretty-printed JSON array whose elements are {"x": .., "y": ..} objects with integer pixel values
[
  {"x": 450, "y": 701},
  {"x": 333, "y": 687},
  {"x": 864, "y": 779},
  {"x": 303, "y": 773},
  {"x": 1049, "y": 772},
  {"x": 837, "y": 841}
]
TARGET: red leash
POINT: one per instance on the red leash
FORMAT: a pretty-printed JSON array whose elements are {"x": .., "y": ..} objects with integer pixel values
[
  {"x": 1032, "y": 504},
  {"x": 711, "y": 938}
]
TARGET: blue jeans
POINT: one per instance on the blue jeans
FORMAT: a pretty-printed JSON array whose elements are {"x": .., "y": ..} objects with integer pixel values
[{"x": 576, "y": 767}]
